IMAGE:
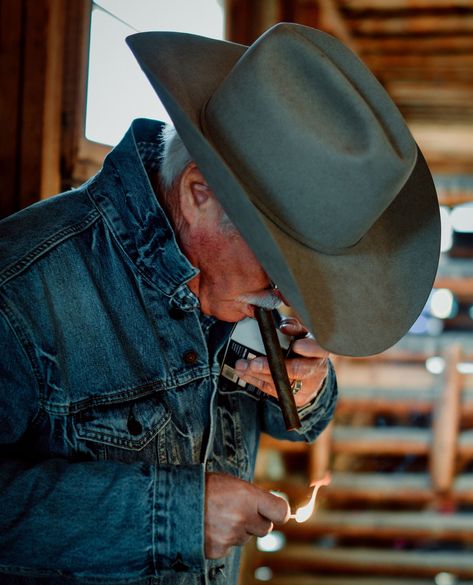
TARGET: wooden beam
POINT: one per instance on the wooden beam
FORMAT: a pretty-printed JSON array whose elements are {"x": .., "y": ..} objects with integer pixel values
[
  {"x": 317, "y": 579},
  {"x": 268, "y": 442},
  {"x": 307, "y": 12},
  {"x": 319, "y": 454},
  {"x": 52, "y": 115},
  {"x": 389, "y": 525},
  {"x": 399, "y": 401},
  {"x": 305, "y": 557},
  {"x": 245, "y": 20},
  {"x": 422, "y": 61},
  {"x": 332, "y": 22},
  {"x": 377, "y": 488},
  {"x": 76, "y": 57},
  {"x": 33, "y": 100},
  {"x": 453, "y": 44},
  {"x": 445, "y": 425},
  {"x": 447, "y": 147},
  {"x": 11, "y": 16},
  {"x": 445, "y": 73},
  {"x": 385, "y": 441},
  {"x": 380, "y": 487},
  {"x": 389, "y": 5},
  {"x": 425, "y": 93},
  {"x": 412, "y": 24},
  {"x": 460, "y": 287}
]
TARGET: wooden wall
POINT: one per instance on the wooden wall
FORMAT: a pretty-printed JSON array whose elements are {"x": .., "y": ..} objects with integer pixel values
[{"x": 35, "y": 50}]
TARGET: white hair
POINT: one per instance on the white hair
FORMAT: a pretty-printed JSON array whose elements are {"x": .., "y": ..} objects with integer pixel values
[{"x": 174, "y": 157}]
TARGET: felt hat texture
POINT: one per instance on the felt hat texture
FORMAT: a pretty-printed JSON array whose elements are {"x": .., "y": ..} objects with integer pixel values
[{"x": 315, "y": 166}]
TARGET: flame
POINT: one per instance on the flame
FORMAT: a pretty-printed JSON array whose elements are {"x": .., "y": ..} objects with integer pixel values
[{"x": 304, "y": 512}]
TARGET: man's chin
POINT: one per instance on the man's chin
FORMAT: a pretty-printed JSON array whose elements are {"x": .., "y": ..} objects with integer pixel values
[{"x": 233, "y": 315}]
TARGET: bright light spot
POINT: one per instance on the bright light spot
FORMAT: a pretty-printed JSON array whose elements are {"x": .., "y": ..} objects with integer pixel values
[
  {"x": 445, "y": 579},
  {"x": 263, "y": 574},
  {"x": 271, "y": 542},
  {"x": 442, "y": 303},
  {"x": 304, "y": 512},
  {"x": 435, "y": 364},
  {"x": 461, "y": 218},
  {"x": 465, "y": 367},
  {"x": 117, "y": 89},
  {"x": 446, "y": 239},
  {"x": 434, "y": 326}
]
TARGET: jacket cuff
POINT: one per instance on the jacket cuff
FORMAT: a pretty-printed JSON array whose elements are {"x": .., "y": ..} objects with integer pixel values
[{"x": 178, "y": 522}]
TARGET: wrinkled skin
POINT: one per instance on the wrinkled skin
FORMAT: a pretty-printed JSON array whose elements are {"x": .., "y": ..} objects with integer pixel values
[{"x": 228, "y": 270}]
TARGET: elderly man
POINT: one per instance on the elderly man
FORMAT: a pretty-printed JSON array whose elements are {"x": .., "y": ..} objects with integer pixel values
[{"x": 124, "y": 457}]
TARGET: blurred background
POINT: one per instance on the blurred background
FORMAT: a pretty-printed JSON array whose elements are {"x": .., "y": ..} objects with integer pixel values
[{"x": 400, "y": 450}]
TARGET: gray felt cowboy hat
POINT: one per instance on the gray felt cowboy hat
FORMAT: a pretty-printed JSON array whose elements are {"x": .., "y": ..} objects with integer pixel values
[{"x": 315, "y": 166}]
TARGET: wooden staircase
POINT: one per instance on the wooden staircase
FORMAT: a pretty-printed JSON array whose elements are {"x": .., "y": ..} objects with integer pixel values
[{"x": 400, "y": 504}]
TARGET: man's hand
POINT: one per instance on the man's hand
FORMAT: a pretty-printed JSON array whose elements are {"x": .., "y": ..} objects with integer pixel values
[
  {"x": 235, "y": 510},
  {"x": 310, "y": 368}
]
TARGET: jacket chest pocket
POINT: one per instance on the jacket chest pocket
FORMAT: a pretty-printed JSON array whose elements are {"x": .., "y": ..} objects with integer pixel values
[{"x": 120, "y": 430}]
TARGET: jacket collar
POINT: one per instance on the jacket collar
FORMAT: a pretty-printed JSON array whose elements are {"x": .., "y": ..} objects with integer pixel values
[{"x": 124, "y": 194}]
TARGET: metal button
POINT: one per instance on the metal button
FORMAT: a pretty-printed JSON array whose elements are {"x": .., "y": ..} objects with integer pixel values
[
  {"x": 176, "y": 313},
  {"x": 134, "y": 426},
  {"x": 215, "y": 571},
  {"x": 190, "y": 357}
]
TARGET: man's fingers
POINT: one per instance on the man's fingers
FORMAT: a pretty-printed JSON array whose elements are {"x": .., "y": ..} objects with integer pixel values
[
  {"x": 259, "y": 527},
  {"x": 272, "y": 507},
  {"x": 292, "y": 327},
  {"x": 308, "y": 347},
  {"x": 300, "y": 369}
]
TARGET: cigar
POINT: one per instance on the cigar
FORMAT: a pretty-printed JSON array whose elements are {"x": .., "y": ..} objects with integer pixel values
[{"x": 277, "y": 367}]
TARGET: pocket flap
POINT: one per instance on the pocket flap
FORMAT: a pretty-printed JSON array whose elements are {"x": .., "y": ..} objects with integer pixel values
[{"x": 130, "y": 425}]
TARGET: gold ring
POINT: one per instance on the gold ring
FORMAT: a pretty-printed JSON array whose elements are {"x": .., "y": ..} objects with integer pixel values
[{"x": 296, "y": 386}]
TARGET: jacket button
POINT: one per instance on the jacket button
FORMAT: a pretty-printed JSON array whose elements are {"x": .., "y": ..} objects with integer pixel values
[
  {"x": 134, "y": 426},
  {"x": 190, "y": 357},
  {"x": 176, "y": 313},
  {"x": 214, "y": 572}
]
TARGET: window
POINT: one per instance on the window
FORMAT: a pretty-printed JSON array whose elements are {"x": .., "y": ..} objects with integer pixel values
[{"x": 117, "y": 89}]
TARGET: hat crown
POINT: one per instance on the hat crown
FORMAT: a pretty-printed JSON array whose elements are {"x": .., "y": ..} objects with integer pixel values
[{"x": 298, "y": 92}]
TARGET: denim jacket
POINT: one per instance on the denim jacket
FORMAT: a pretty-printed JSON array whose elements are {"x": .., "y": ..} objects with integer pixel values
[{"x": 110, "y": 410}]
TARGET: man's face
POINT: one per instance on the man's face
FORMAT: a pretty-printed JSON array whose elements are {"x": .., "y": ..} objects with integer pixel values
[
  {"x": 228, "y": 270},
  {"x": 228, "y": 267}
]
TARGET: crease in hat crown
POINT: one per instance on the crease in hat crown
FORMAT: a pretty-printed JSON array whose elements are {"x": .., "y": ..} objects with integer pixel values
[
  {"x": 335, "y": 130},
  {"x": 358, "y": 289}
]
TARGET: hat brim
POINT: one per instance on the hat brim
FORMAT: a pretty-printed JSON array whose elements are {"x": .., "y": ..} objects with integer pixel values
[{"x": 357, "y": 303}]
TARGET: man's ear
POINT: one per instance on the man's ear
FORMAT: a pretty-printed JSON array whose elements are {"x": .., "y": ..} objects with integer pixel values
[{"x": 195, "y": 196}]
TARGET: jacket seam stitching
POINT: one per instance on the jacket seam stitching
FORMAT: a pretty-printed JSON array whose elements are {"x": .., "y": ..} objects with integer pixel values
[
  {"x": 124, "y": 395},
  {"x": 27, "y": 347},
  {"x": 44, "y": 247},
  {"x": 118, "y": 242}
]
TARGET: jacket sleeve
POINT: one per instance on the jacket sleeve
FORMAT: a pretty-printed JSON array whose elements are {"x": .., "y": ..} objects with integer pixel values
[
  {"x": 92, "y": 518},
  {"x": 314, "y": 417}
]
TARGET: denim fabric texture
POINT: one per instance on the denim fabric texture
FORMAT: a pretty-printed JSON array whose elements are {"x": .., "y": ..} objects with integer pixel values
[{"x": 110, "y": 411}]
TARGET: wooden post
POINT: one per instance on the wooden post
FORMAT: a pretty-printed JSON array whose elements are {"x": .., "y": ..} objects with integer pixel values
[
  {"x": 11, "y": 12},
  {"x": 31, "y": 39},
  {"x": 319, "y": 455},
  {"x": 445, "y": 426}
]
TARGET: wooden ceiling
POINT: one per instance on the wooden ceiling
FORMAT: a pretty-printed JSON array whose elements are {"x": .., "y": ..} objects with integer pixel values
[{"x": 422, "y": 52}]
